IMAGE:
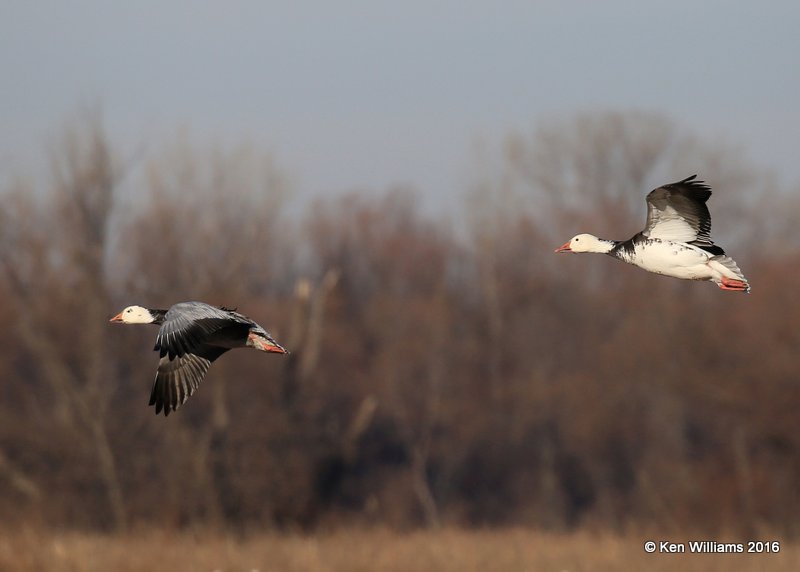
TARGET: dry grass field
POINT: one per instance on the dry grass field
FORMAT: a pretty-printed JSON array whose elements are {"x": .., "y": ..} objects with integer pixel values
[{"x": 364, "y": 550}]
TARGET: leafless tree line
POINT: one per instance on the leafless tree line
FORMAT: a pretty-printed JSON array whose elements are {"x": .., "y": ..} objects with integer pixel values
[{"x": 441, "y": 373}]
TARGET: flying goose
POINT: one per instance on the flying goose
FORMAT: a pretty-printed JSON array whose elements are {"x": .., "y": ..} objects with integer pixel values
[
  {"x": 192, "y": 335},
  {"x": 676, "y": 240}
]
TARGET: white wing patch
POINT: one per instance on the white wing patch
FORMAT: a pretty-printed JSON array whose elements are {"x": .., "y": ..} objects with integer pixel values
[{"x": 672, "y": 226}]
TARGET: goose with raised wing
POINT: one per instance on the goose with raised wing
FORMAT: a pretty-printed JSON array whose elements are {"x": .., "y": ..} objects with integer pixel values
[
  {"x": 676, "y": 240},
  {"x": 192, "y": 335}
]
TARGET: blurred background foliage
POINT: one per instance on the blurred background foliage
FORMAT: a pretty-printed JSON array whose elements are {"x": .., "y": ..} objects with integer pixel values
[{"x": 446, "y": 369}]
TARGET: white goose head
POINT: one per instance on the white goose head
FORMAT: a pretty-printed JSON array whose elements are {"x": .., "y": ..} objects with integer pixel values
[
  {"x": 586, "y": 243},
  {"x": 134, "y": 315}
]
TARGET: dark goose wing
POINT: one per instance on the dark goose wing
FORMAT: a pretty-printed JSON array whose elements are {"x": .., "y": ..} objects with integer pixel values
[
  {"x": 191, "y": 337},
  {"x": 178, "y": 378},
  {"x": 678, "y": 212},
  {"x": 190, "y": 325}
]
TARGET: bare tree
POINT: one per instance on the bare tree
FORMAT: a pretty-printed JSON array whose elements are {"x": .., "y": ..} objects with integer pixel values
[{"x": 53, "y": 260}]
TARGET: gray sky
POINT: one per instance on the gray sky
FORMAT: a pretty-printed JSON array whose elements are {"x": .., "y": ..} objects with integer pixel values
[{"x": 366, "y": 95}]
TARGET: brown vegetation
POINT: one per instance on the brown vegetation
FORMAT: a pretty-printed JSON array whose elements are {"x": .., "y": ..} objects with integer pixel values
[
  {"x": 442, "y": 373},
  {"x": 377, "y": 550}
]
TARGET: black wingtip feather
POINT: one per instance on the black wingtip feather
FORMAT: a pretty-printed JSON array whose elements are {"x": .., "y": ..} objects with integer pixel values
[
  {"x": 699, "y": 190},
  {"x": 153, "y": 393},
  {"x": 694, "y": 182},
  {"x": 157, "y": 399}
]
